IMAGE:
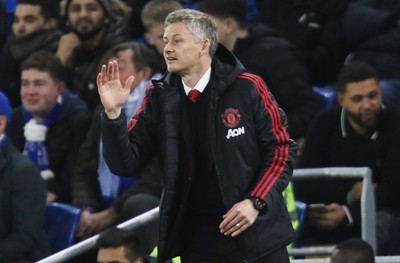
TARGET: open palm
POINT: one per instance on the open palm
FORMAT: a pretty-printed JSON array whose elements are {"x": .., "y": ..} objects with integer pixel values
[{"x": 112, "y": 94}]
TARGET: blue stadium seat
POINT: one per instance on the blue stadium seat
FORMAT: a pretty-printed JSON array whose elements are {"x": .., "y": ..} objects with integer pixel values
[
  {"x": 61, "y": 224},
  {"x": 327, "y": 95},
  {"x": 301, "y": 210}
]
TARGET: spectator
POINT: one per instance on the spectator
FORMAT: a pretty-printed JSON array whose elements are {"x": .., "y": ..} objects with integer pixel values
[
  {"x": 362, "y": 131},
  {"x": 153, "y": 16},
  {"x": 315, "y": 27},
  {"x": 22, "y": 201},
  {"x": 105, "y": 198},
  {"x": 204, "y": 119},
  {"x": 373, "y": 26},
  {"x": 264, "y": 53},
  {"x": 51, "y": 123},
  {"x": 94, "y": 30},
  {"x": 353, "y": 250},
  {"x": 34, "y": 28},
  {"x": 119, "y": 245}
]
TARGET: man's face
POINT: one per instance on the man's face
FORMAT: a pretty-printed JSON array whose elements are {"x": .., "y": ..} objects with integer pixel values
[
  {"x": 112, "y": 255},
  {"x": 182, "y": 51},
  {"x": 345, "y": 256},
  {"x": 155, "y": 37},
  {"x": 126, "y": 67},
  {"x": 27, "y": 20},
  {"x": 86, "y": 18},
  {"x": 362, "y": 101},
  {"x": 39, "y": 92}
]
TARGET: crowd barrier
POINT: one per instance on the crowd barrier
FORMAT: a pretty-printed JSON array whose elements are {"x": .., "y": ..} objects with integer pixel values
[{"x": 367, "y": 217}]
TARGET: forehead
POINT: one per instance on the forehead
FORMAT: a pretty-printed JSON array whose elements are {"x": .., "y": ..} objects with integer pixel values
[
  {"x": 27, "y": 9},
  {"x": 35, "y": 74},
  {"x": 124, "y": 54},
  {"x": 361, "y": 87},
  {"x": 177, "y": 29},
  {"x": 83, "y": 2}
]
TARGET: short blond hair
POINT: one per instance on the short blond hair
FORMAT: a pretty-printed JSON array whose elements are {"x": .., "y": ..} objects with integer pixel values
[{"x": 155, "y": 12}]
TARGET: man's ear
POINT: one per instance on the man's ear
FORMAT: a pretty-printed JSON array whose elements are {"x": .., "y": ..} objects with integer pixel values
[
  {"x": 230, "y": 25},
  {"x": 340, "y": 98},
  {"x": 3, "y": 124},
  {"x": 61, "y": 86}
]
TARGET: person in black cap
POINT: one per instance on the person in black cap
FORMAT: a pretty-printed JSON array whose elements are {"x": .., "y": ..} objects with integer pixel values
[{"x": 94, "y": 29}]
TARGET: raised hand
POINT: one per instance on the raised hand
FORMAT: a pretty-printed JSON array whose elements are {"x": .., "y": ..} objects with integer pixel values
[{"x": 112, "y": 94}]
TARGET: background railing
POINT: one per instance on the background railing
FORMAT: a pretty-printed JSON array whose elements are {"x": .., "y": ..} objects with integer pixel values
[
  {"x": 368, "y": 231},
  {"x": 367, "y": 217}
]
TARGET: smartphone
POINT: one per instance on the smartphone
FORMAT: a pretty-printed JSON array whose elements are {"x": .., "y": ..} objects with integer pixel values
[{"x": 315, "y": 207}]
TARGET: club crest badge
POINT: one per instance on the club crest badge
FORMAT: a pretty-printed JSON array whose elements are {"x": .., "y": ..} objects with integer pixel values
[{"x": 231, "y": 117}]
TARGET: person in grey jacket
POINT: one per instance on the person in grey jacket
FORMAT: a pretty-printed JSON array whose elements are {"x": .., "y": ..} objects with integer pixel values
[
  {"x": 22, "y": 201},
  {"x": 223, "y": 144}
]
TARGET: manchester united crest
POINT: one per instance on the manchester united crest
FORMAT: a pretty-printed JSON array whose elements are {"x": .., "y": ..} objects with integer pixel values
[{"x": 231, "y": 117}]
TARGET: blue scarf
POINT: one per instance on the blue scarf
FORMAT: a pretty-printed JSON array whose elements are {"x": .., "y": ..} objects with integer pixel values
[{"x": 35, "y": 135}]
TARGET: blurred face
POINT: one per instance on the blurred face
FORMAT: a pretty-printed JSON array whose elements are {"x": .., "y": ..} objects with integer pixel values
[
  {"x": 27, "y": 20},
  {"x": 155, "y": 37},
  {"x": 112, "y": 255},
  {"x": 86, "y": 18},
  {"x": 39, "y": 92},
  {"x": 345, "y": 256},
  {"x": 182, "y": 52},
  {"x": 126, "y": 67},
  {"x": 362, "y": 101}
]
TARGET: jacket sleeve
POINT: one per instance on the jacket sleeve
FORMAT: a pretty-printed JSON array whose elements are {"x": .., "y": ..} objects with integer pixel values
[
  {"x": 126, "y": 150},
  {"x": 275, "y": 146},
  {"x": 85, "y": 187}
]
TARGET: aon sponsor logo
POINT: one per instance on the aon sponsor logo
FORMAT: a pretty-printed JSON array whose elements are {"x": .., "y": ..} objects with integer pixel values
[{"x": 235, "y": 132}]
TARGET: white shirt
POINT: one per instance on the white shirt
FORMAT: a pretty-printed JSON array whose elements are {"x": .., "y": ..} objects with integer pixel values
[{"x": 201, "y": 84}]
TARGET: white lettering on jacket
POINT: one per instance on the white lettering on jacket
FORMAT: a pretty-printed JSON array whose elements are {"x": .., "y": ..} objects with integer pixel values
[{"x": 235, "y": 132}]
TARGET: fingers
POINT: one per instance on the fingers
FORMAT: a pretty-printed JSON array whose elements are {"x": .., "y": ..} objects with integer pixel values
[{"x": 129, "y": 82}]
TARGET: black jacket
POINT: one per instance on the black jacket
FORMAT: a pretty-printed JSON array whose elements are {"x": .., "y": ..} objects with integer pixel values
[
  {"x": 257, "y": 160},
  {"x": 274, "y": 59},
  {"x": 22, "y": 206}
]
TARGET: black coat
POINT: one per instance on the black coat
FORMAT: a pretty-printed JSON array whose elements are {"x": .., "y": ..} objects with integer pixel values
[
  {"x": 22, "y": 207},
  {"x": 275, "y": 60},
  {"x": 256, "y": 162}
]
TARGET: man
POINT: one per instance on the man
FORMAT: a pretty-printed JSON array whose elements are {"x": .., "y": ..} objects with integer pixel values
[
  {"x": 51, "y": 123},
  {"x": 34, "y": 28},
  {"x": 264, "y": 53},
  {"x": 105, "y": 198},
  {"x": 120, "y": 246},
  {"x": 94, "y": 30},
  {"x": 362, "y": 131},
  {"x": 353, "y": 250},
  {"x": 22, "y": 201},
  {"x": 226, "y": 154}
]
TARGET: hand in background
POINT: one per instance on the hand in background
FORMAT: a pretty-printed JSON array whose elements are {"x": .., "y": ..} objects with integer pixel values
[
  {"x": 68, "y": 43},
  {"x": 94, "y": 223},
  {"x": 327, "y": 217}
]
